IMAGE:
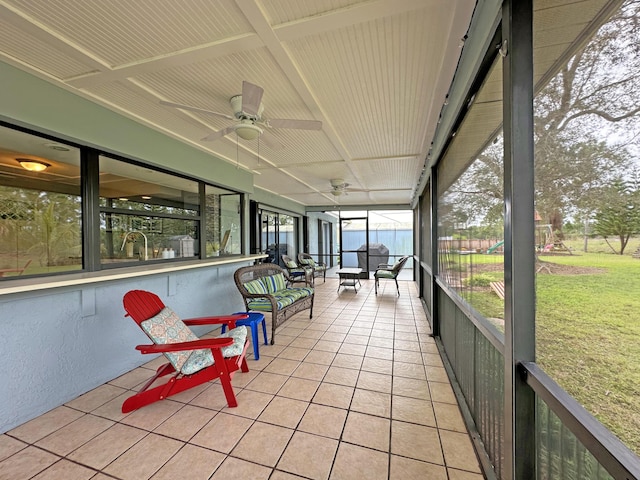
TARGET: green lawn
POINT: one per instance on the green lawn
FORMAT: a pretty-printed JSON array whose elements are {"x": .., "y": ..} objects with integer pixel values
[
  {"x": 588, "y": 332},
  {"x": 588, "y": 335}
]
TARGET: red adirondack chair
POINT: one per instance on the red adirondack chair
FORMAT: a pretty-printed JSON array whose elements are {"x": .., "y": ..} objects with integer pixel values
[{"x": 192, "y": 361}]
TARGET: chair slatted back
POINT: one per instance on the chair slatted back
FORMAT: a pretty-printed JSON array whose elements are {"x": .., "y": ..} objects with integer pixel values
[
  {"x": 398, "y": 266},
  {"x": 141, "y": 305}
]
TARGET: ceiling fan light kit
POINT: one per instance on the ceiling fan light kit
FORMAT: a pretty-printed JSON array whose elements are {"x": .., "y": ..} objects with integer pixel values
[{"x": 247, "y": 131}]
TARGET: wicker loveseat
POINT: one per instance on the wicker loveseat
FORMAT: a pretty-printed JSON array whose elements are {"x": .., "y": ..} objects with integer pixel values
[{"x": 264, "y": 289}]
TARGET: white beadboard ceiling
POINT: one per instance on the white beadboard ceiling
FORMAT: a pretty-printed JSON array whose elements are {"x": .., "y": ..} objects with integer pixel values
[{"x": 374, "y": 72}]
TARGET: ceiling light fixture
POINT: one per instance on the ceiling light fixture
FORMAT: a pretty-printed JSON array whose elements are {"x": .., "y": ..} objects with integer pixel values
[
  {"x": 57, "y": 146},
  {"x": 247, "y": 131},
  {"x": 32, "y": 165}
]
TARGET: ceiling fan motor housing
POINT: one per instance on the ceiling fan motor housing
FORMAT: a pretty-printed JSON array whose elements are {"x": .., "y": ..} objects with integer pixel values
[{"x": 236, "y": 106}]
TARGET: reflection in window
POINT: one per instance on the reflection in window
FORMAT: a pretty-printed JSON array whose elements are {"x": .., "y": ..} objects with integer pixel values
[
  {"x": 222, "y": 215},
  {"x": 149, "y": 215},
  {"x": 145, "y": 214},
  {"x": 40, "y": 205}
]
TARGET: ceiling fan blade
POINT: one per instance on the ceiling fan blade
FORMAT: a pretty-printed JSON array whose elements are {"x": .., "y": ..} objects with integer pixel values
[
  {"x": 299, "y": 124},
  {"x": 219, "y": 134},
  {"x": 270, "y": 141},
  {"x": 195, "y": 109},
  {"x": 251, "y": 98}
]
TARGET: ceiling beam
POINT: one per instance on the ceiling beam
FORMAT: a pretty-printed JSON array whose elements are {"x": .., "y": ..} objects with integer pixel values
[
  {"x": 34, "y": 28},
  {"x": 347, "y": 16},
  {"x": 258, "y": 20},
  {"x": 224, "y": 47}
]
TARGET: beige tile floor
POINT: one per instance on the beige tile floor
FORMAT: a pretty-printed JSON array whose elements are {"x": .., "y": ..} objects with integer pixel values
[{"x": 357, "y": 392}]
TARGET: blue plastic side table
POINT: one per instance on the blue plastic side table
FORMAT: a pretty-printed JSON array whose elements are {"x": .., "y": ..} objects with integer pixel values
[{"x": 254, "y": 319}]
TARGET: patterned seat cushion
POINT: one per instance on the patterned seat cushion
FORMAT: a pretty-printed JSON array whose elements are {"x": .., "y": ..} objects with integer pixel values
[
  {"x": 203, "y": 358},
  {"x": 167, "y": 327}
]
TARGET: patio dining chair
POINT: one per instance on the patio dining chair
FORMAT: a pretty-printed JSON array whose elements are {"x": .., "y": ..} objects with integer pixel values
[
  {"x": 390, "y": 272},
  {"x": 192, "y": 361},
  {"x": 319, "y": 268},
  {"x": 297, "y": 273}
]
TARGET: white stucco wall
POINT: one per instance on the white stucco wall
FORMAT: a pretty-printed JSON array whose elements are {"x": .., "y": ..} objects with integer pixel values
[{"x": 60, "y": 343}]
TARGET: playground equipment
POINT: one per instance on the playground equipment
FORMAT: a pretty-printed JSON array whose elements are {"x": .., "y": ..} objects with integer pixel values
[
  {"x": 495, "y": 247},
  {"x": 546, "y": 240}
]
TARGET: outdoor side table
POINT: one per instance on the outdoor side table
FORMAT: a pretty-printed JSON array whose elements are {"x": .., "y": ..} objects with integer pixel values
[
  {"x": 254, "y": 319},
  {"x": 349, "y": 277}
]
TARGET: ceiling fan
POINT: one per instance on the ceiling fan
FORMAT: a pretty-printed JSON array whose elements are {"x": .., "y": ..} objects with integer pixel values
[
  {"x": 339, "y": 187},
  {"x": 247, "y": 112}
]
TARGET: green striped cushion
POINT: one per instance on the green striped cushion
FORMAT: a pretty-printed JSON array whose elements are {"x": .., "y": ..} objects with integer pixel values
[
  {"x": 291, "y": 264},
  {"x": 274, "y": 283},
  {"x": 255, "y": 286},
  {"x": 264, "y": 305},
  {"x": 296, "y": 293},
  {"x": 385, "y": 274}
]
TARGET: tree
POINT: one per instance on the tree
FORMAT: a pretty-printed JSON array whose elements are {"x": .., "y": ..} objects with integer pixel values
[
  {"x": 620, "y": 215},
  {"x": 593, "y": 98},
  {"x": 585, "y": 124}
]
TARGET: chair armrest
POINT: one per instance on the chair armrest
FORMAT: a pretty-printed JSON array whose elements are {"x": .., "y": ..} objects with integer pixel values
[
  {"x": 226, "y": 319},
  {"x": 194, "y": 345},
  {"x": 384, "y": 266}
]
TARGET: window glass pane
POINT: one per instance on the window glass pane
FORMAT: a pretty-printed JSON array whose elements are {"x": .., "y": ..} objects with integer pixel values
[
  {"x": 40, "y": 211},
  {"x": 279, "y": 236},
  {"x": 425, "y": 226},
  {"x": 587, "y": 159},
  {"x": 222, "y": 215},
  {"x": 268, "y": 236},
  {"x": 288, "y": 235},
  {"x": 133, "y": 187},
  {"x": 470, "y": 205},
  {"x": 146, "y": 215}
]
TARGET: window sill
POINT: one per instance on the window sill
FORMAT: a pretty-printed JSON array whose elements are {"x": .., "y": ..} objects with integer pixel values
[{"x": 87, "y": 278}]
